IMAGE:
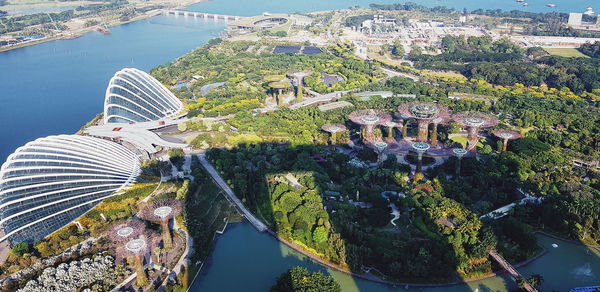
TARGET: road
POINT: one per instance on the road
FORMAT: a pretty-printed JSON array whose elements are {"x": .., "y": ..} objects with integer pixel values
[{"x": 229, "y": 192}]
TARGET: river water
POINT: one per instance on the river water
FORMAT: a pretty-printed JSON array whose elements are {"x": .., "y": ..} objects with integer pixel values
[
  {"x": 246, "y": 260},
  {"x": 56, "y": 87}
]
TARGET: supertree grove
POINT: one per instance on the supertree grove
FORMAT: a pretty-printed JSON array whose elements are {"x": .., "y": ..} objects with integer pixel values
[
  {"x": 506, "y": 135},
  {"x": 368, "y": 119},
  {"x": 420, "y": 148},
  {"x": 425, "y": 113},
  {"x": 162, "y": 210},
  {"x": 474, "y": 122}
]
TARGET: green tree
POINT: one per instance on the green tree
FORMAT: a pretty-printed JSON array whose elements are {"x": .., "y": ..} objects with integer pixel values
[{"x": 299, "y": 279}]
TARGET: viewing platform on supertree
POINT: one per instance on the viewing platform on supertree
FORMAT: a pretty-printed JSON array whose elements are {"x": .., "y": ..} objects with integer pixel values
[
  {"x": 506, "y": 135},
  {"x": 474, "y": 122},
  {"x": 333, "y": 129},
  {"x": 425, "y": 113},
  {"x": 368, "y": 119}
]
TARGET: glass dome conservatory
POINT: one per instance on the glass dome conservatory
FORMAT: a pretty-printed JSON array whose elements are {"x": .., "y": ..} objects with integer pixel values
[
  {"x": 51, "y": 181},
  {"x": 134, "y": 96}
]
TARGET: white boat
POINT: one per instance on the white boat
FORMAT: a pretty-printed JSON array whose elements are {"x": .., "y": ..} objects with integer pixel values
[
  {"x": 551, "y": 5},
  {"x": 589, "y": 11},
  {"x": 525, "y": 4}
]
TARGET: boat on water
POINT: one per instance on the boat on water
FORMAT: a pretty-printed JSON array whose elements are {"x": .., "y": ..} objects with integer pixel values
[
  {"x": 520, "y": 0},
  {"x": 589, "y": 11},
  {"x": 525, "y": 4},
  {"x": 551, "y": 5}
]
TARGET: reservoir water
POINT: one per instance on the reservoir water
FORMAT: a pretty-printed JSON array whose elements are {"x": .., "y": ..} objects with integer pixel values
[{"x": 56, "y": 87}]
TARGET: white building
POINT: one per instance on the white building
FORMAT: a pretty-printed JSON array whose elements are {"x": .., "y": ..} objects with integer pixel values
[{"x": 575, "y": 18}]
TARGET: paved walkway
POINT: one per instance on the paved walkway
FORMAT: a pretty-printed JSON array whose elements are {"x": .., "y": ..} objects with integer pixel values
[{"x": 229, "y": 192}]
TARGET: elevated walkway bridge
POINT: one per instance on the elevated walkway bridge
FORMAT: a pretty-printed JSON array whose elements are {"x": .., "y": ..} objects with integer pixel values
[{"x": 511, "y": 270}]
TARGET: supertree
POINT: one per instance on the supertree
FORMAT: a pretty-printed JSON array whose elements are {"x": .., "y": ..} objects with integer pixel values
[
  {"x": 137, "y": 248},
  {"x": 474, "y": 122},
  {"x": 368, "y": 119},
  {"x": 125, "y": 231},
  {"x": 506, "y": 135},
  {"x": 333, "y": 129},
  {"x": 459, "y": 153},
  {"x": 299, "y": 76},
  {"x": 420, "y": 148},
  {"x": 425, "y": 113},
  {"x": 162, "y": 210},
  {"x": 380, "y": 147},
  {"x": 434, "y": 133},
  {"x": 279, "y": 87},
  {"x": 391, "y": 125}
]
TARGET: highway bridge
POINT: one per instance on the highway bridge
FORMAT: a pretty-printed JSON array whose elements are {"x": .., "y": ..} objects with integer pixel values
[{"x": 203, "y": 15}]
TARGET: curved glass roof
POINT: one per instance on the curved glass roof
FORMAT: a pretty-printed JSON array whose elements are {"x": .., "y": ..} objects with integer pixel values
[
  {"x": 48, "y": 182},
  {"x": 134, "y": 96}
]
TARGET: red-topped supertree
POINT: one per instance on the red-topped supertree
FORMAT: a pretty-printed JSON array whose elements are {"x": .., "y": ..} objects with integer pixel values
[
  {"x": 425, "y": 113},
  {"x": 368, "y": 119},
  {"x": 162, "y": 210},
  {"x": 333, "y": 129},
  {"x": 137, "y": 247},
  {"x": 125, "y": 231},
  {"x": 474, "y": 122},
  {"x": 506, "y": 135}
]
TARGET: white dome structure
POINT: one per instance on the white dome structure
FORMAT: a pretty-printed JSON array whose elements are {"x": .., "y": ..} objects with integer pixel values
[
  {"x": 51, "y": 181},
  {"x": 134, "y": 96}
]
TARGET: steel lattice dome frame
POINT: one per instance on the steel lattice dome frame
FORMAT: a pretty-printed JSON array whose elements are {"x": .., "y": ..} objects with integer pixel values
[
  {"x": 49, "y": 182},
  {"x": 133, "y": 96}
]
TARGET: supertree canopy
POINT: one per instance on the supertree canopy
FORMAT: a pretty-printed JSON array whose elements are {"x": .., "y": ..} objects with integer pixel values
[
  {"x": 506, "y": 135},
  {"x": 162, "y": 210},
  {"x": 126, "y": 231},
  {"x": 474, "y": 121},
  {"x": 425, "y": 113},
  {"x": 368, "y": 119}
]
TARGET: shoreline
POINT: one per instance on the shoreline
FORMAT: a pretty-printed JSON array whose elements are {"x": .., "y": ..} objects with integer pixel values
[
  {"x": 316, "y": 259},
  {"x": 83, "y": 31}
]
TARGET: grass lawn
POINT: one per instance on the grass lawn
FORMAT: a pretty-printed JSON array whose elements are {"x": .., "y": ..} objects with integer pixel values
[
  {"x": 463, "y": 141},
  {"x": 565, "y": 52}
]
